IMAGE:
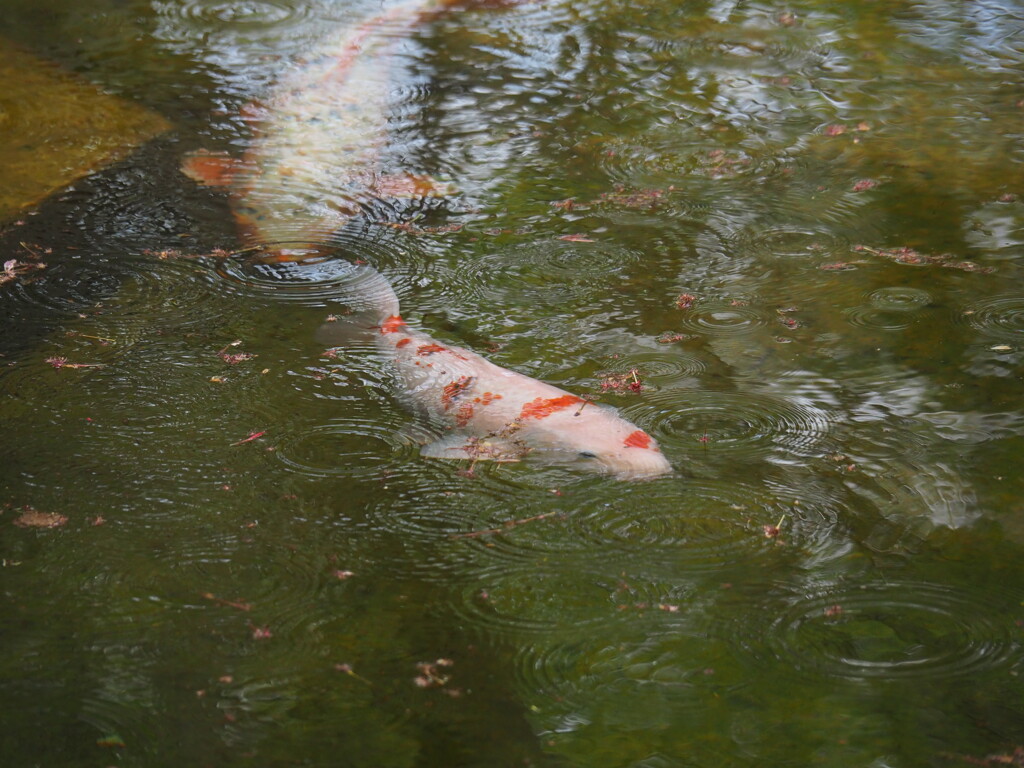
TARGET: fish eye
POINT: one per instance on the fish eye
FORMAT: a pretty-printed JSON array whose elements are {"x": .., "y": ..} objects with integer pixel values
[{"x": 587, "y": 455}]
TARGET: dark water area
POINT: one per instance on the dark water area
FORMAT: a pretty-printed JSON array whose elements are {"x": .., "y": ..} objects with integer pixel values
[{"x": 784, "y": 239}]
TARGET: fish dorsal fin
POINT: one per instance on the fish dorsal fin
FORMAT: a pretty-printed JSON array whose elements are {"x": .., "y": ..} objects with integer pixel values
[{"x": 214, "y": 169}]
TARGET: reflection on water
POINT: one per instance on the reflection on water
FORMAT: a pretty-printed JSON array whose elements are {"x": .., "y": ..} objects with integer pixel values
[{"x": 785, "y": 241}]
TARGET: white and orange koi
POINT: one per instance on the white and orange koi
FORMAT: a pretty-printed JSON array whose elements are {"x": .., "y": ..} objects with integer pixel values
[{"x": 491, "y": 413}]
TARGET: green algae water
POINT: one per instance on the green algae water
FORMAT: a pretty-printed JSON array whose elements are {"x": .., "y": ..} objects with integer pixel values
[{"x": 784, "y": 239}]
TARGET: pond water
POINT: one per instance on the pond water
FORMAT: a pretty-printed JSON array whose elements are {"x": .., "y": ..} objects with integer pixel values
[{"x": 785, "y": 239}]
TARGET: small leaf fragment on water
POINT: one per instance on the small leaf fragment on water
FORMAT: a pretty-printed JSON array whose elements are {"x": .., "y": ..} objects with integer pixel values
[
  {"x": 62, "y": 362},
  {"x": 577, "y": 238},
  {"x": 252, "y": 436},
  {"x": 617, "y": 382},
  {"x": 347, "y": 669},
  {"x": 1001, "y": 348},
  {"x": 430, "y": 676},
  {"x": 231, "y": 603},
  {"x": 113, "y": 740},
  {"x": 685, "y": 300},
  {"x": 14, "y": 267},
  {"x": 237, "y": 357},
  {"x": 864, "y": 184}
]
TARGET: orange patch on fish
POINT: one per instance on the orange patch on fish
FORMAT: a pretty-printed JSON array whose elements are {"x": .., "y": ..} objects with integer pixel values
[
  {"x": 486, "y": 398},
  {"x": 543, "y": 407},
  {"x": 392, "y": 324},
  {"x": 638, "y": 439},
  {"x": 212, "y": 169},
  {"x": 464, "y": 414},
  {"x": 429, "y": 349},
  {"x": 403, "y": 342},
  {"x": 454, "y": 389}
]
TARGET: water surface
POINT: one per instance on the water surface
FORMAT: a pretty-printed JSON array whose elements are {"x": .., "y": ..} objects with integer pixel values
[{"x": 796, "y": 228}]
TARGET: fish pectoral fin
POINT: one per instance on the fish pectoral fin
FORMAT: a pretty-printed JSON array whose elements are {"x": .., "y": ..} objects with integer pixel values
[
  {"x": 410, "y": 185},
  {"x": 469, "y": 448},
  {"x": 214, "y": 169}
]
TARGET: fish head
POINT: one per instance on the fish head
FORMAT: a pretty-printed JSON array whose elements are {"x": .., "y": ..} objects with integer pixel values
[{"x": 598, "y": 439}]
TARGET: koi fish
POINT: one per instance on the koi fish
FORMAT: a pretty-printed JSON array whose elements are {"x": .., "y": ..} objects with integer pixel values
[
  {"x": 490, "y": 413},
  {"x": 315, "y": 155}
]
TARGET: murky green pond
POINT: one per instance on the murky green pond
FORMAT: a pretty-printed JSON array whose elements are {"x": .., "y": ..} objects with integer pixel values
[{"x": 785, "y": 239}]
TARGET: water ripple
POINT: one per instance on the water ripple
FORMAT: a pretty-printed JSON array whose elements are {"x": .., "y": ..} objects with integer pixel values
[
  {"x": 665, "y": 366},
  {"x": 545, "y": 270},
  {"x": 368, "y": 446},
  {"x": 723, "y": 523},
  {"x": 722, "y": 318},
  {"x": 1000, "y": 317},
  {"x": 733, "y": 424},
  {"x": 890, "y": 309},
  {"x": 890, "y": 631},
  {"x": 794, "y": 243},
  {"x": 237, "y": 13},
  {"x": 641, "y": 673},
  {"x": 972, "y": 427},
  {"x": 537, "y": 598},
  {"x": 327, "y": 274},
  {"x": 911, "y": 488},
  {"x": 66, "y": 287}
]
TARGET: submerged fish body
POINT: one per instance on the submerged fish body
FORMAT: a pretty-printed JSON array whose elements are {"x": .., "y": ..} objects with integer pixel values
[
  {"x": 314, "y": 158},
  {"x": 490, "y": 413}
]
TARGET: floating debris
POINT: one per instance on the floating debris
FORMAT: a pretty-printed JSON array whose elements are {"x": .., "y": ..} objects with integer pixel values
[
  {"x": 236, "y": 357},
  {"x": 13, "y": 269},
  {"x": 430, "y": 675},
  {"x": 62, "y": 362},
  {"x": 252, "y": 436},
  {"x": 685, "y": 301},
  {"x": 33, "y": 518},
  {"x": 620, "y": 382},
  {"x": 413, "y": 229},
  {"x": 906, "y": 255}
]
